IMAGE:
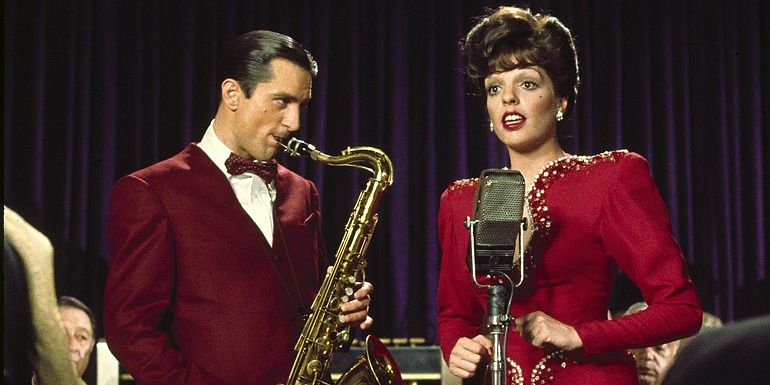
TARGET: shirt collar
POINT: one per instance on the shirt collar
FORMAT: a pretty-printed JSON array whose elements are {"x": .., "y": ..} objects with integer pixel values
[
  {"x": 215, "y": 148},
  {"x": 218, "y": 152}
]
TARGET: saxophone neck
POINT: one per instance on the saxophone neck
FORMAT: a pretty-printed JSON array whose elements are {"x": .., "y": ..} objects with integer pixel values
[{"x": 367, "y": 158}]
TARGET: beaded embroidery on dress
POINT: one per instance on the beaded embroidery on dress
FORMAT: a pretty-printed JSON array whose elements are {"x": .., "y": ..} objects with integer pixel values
[
  {"x": 460, "y": 183},
  {"x": 544, "y": 371},
  {"x": 552, "y": 172}
]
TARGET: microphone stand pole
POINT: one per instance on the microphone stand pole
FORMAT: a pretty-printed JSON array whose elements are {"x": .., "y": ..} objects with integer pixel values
[{"x": 498, "y": 325}]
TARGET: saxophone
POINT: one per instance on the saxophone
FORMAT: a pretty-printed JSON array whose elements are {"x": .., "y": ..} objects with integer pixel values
[{"x": 323, "y": 334}]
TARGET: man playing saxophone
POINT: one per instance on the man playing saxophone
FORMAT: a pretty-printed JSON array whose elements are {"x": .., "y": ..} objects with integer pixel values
[{"x": 216, "y": 252}]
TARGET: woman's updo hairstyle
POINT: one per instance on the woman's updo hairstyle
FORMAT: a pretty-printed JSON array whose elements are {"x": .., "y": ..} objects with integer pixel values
[{"x": 531, "y": 39}]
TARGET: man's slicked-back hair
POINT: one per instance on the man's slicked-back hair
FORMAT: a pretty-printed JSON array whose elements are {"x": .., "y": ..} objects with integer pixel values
[
  {"x": 247, "y": 58},
  {"x": 72, "y": 302}
]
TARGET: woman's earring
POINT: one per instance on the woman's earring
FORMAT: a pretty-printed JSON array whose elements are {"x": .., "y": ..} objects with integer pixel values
[
  {"x": 491, "y": 127},
  {"x": 559, "y": 115}
]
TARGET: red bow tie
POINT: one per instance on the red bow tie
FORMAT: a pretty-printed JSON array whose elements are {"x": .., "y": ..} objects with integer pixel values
[{"x": 237, "y": 165}]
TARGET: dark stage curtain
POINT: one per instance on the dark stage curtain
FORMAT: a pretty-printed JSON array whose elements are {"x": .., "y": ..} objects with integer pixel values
[{"x": 96, "y": 89}]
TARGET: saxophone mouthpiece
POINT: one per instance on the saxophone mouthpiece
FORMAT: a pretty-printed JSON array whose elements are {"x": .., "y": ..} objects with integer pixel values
[
  {"x": 282, "y": 141},
  {"x": 296, "y": 147}
]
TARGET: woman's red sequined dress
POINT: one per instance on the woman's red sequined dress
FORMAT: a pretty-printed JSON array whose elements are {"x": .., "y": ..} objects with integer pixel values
[{"x": 591, "y": 216}]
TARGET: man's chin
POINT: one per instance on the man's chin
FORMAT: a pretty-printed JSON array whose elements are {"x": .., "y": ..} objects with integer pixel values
[
  {"x": 75, "y": 367},
  {"x": 269, "y": 153},
  {"x": 647, "y": 379}
]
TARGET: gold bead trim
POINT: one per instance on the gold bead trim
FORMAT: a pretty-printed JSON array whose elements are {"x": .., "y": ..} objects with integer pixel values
[{"x": 514, "y": 372}]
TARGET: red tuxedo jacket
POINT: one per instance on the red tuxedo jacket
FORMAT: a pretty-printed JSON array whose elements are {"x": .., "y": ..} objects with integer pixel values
[{"x": 194, "y": 293}]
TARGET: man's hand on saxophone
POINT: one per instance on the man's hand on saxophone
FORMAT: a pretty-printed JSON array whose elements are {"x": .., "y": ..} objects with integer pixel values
[{"x": 356, "y": 311}]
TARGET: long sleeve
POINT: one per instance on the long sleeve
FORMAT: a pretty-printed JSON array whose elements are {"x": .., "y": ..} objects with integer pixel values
[
  {"x": 635, "y": 231},
  {"x": 52, "y": 362},
  {"x": 460, "y": 311},
  {"x": 140, "y": 287}
]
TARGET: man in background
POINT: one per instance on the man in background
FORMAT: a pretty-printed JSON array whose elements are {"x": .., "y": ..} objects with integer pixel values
[
  {"x": 653, "y": 362},
  {"x": 80, "y": 324}
]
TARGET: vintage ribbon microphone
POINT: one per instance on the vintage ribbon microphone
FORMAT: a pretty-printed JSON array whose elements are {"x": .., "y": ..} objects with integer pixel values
[{"x": 496, "y": 226}]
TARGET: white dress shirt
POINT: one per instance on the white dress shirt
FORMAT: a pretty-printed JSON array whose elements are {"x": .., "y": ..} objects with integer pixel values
[{"x": 254, "y": 195}]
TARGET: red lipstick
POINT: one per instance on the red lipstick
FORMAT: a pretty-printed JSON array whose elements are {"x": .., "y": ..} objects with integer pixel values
[{"x": 513, "y": 121}]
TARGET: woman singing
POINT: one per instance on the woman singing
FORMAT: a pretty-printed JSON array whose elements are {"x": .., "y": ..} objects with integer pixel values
[{"x": 588, "y": 215}]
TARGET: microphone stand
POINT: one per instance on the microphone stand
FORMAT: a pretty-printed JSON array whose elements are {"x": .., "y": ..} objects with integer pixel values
[
  {"x": 498, "y": 326},
  {"x": 498, "y": 305}
]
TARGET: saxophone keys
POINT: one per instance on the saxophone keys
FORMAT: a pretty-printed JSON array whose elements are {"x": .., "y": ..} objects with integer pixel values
[{"x": 313, "y": 366}]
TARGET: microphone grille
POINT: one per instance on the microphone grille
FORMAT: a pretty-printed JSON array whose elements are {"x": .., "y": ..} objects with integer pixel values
[{"x": 499, "y": 206}]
